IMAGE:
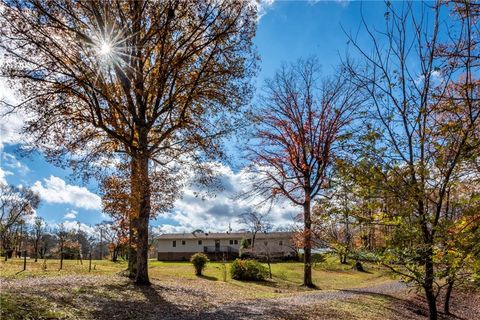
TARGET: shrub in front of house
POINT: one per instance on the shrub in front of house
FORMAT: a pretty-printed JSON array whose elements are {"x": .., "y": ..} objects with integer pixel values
[
  {"x": 248, "y": 269},
  {"x": 318, "y": 258},
  {"x": 199, "y": 261}
]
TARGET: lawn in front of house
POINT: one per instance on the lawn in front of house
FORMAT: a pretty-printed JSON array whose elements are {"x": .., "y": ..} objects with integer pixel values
[
  {"x": 286, "y": 276},
  {"x": 40, "y": 293}
]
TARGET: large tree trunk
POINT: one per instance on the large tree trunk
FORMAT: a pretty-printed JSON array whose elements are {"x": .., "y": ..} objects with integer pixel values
[
  {"x": 132, "y": 253},
  {"x": 428, "y": 286},
  {"x": 141, "y": 214},
  {"x": 36, "y": 250},
  {"x": 307, "y": 248}
]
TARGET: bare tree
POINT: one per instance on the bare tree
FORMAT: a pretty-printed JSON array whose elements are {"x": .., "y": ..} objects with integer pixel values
[
  {"x": 15, "y": 204},
  {"x": 155, "y": 81},
  {"x": 37, "y": 233},
  {"x": 256, "y": 222},
  {"x": 299, "y": 126},
  {"x": 62, "y": 235}
]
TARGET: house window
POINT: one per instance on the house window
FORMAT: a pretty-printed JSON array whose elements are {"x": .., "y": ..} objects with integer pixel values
[
  {"x": 199, "y": 242},
  {"x": 231, "y": 241},
  {"x": 174, "y": 243},
  {"x": 183, "y": 242},
  {"x": 281, "y": 243},
  {"x": 235, "y": 241}
]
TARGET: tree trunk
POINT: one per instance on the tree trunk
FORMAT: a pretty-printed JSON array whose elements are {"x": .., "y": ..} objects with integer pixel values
[
  {"x": 429, "y": 294},
  {"x": 90, "y": 261},
  {"x": 142, "y": 251},
  {"x": 307, "y": 249},
  {"x": 61, "y": 256},
  {"x": 269, "y": 266},
  {"x": 36, "y": 250},
  {"x": 446, "y": 306},
  {"x": 132, "y": 253},
  {"x": 141, "y": 212}
]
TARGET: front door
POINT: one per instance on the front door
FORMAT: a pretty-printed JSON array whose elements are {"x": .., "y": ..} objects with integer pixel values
[{"x": 217, "y": 245}]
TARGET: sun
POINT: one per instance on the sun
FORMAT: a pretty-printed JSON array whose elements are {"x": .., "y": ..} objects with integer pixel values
[{"x": 105, "y": 48}]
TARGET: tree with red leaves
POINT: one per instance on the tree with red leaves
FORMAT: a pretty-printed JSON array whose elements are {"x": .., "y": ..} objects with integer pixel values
[{"x": 300, "y": 126}]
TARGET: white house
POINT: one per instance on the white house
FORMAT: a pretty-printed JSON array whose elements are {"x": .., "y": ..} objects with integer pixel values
[{"x": 218, "y": 246}]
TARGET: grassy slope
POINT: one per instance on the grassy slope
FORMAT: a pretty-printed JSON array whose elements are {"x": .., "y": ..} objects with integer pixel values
[
  {"x": 287, "y": 279},
  {"x": 287, "y": 276}
]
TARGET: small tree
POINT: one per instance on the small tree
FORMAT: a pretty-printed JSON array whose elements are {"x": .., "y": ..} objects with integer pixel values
[
  {"x": 62, "y": 236},
  {"x": 37, "y": 233},
  {"x": 15, "y": 204},
  {"x": 256, "y": 222},
  {"x": 199, "y": 261}
]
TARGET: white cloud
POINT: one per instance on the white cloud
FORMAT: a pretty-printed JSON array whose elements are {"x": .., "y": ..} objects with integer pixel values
[
  {"x": 3, "y": 174},
  {"x": 343, "y": 3},
  {"x": 435, "y": 76},
  {"x": 262, "y": 7},
  {"x": 10, "y": 122},
  {"x": 72, "y": 214},
  {"x": 72, "y": 225},
  {"x": 168, "y": 228},
  {"x": 57, "y": 191},
  {"x": 217, "y": 213},
  {"x": 10, "y": 161},
  {"x": 30, "y": 218}
]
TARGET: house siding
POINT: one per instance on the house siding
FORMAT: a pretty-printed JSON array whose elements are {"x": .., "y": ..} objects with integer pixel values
[{"x": 167, "y": 252}]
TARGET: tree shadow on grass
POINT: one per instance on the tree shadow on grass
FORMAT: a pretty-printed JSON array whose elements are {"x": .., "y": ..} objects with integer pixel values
[
  {"x": 207, "y": 277},
  {"x": 411, "y": 308},
  {"x": 395, "y": 302},
  {"x": 157, "y": 306}
]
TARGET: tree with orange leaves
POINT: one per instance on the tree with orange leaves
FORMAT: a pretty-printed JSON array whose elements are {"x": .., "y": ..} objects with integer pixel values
[
  {"x": 156, "y": 81},
  {"x": 299, "y": 128}
]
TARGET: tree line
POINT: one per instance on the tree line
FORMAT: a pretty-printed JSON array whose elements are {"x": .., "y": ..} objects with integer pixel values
[{"x": 24, "y": 234}]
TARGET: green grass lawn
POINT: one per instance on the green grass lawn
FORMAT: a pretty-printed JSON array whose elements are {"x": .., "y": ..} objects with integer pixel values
[
  {"x": 286, "y": 276},
  {"x": 13, "y": 268}
]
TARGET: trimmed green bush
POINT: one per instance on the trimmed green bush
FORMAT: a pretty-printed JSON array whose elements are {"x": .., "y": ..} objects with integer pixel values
[
  {"x": 248, "y": 269},
  {"x": 199, "y": 261}
]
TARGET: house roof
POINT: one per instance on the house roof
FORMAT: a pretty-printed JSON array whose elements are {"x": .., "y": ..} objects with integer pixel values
[{"x": 223, "y": 235}]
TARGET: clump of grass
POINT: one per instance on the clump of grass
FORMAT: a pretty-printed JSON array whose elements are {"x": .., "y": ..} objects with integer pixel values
[{"x": 223, "y": 268}]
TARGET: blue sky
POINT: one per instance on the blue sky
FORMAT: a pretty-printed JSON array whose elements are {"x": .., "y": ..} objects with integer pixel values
[{"x": 286, "y": 32}]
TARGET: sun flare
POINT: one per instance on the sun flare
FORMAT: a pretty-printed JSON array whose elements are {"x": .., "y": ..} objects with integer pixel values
[{"x": 105, "y": 49}]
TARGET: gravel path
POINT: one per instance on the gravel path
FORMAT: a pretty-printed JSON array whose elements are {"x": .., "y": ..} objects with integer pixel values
[{"x": 117, "y": 298}]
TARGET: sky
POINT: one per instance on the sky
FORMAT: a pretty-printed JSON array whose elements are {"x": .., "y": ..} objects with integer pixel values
[{"x": 287, "y": 31}]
